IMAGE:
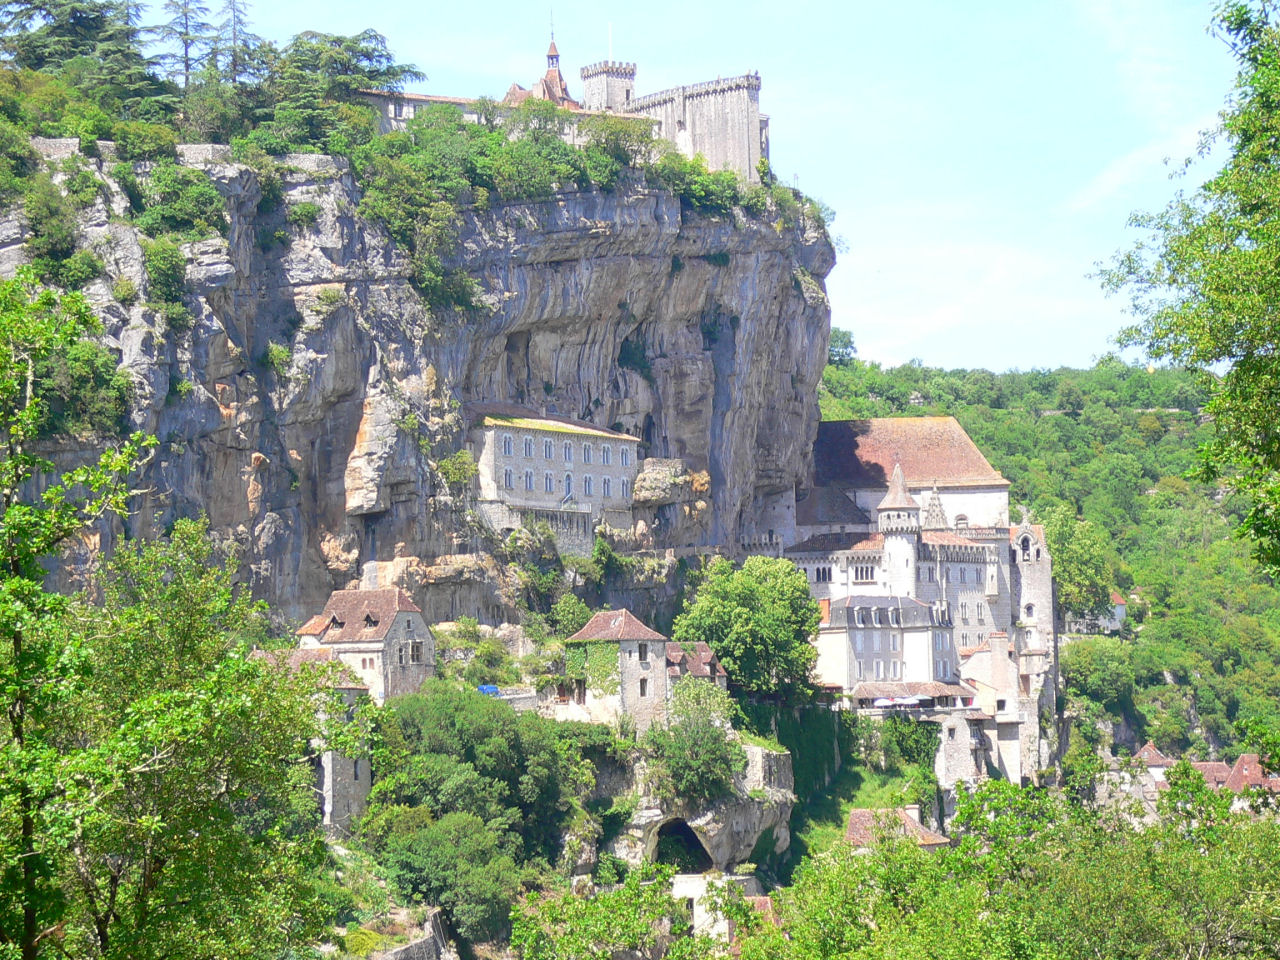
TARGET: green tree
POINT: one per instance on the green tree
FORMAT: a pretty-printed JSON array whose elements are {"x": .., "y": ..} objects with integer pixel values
[
  {"x": 1204, "y": 283},
  {"x": 840, "y": 350},
  {"x": 694, "y": 757},
  {"x": 759, "y": 620},
  {"x": 1081, "y": 575},
  {"x": 192, "y": 35}
]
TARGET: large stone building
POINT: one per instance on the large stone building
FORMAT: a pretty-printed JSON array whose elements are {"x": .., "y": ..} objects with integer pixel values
[
  {"x": 385, "y": 649},
  {"x": 621, "y": 668},
  {"x": 537, "y": 468},
  {"x": 719, "y": 119},
  {"x": 931, "y": 600}
]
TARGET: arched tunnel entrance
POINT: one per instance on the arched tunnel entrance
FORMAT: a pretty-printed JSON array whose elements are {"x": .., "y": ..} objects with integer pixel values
[{"x": 679, "y": 847}]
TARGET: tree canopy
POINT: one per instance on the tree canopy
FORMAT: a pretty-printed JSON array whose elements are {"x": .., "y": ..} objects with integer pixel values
[{"x": 760, "y": 621}]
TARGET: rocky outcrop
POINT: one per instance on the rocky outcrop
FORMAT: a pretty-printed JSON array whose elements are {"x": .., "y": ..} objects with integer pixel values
[
  {"x": 306, "y": 407},
  {"x": 729, "y": 829}
]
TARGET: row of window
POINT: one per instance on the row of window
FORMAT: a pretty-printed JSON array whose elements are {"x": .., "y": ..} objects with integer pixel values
[
  {"x": 877, "y": 618},
  {"x": 549, "y": 451},
  {"x": 925, "y": 573},
  {"x": 415, "y": 656},
  {"x": 894, "y": 671},
  {"x": 549, "y": 484},
  {"x": 875, "y": 641}
]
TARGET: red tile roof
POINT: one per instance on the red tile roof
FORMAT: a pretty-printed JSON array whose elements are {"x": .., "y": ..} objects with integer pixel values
[
  {"x": 865, "y": 827},
  {"x": 946, "y": 538},
  {"x": 358, "y": 616},
  {"x": 696, "y": 660},
  {"x": 298, "y": 657},
  {"x": 862, "y": 453},
  {"x": 838, "y": 542},
  {"x": 614, "y": 625},
  {"x": 1248, "y": 772},
  {"x": 1215, "y": 771},
  {"x": 1152, "y": 757},
  {"x": 888, "y": 689},
  {"x": 1117, "y": 600}
]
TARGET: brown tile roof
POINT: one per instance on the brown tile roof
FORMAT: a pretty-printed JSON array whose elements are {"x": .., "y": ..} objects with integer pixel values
[
  {"x": 298, "y": 657},
  {"x": 1117, "y": 600},
  {"x": 862, "y": 453},
  {"x": 827, "y": 504},
  {"x": 865, "y": 826},
  {"x": 837, "y": 542},
  {"x": 1152, "y": 757},
  {"x": 1215, "y": 771},
  {"x": 908, "y": 688},
  {"x": 697, "y": 661},
  {"x": 358, "y": 616},
  {"x": 983, "y": 647},
  {"x": 946, "y": 538},
  {"x": 614, "y": 625},
  {"x": 1248, "y": 772}
]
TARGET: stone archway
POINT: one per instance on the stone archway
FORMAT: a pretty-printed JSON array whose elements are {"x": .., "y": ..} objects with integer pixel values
[{"x": 677, "y": 845}]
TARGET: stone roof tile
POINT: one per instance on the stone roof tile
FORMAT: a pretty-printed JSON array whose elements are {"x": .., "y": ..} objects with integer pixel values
[
  {"x": 862, "y": 453},
  {"x": 358, "y": 616},
  {"x": 614, "y": 625}
]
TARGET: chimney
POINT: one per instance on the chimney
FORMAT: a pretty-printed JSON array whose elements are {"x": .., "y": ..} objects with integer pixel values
[{"x": 913, "y": 811}]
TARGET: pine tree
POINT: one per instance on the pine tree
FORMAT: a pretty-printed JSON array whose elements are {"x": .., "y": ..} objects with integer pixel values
[
  {"x": 191, "y": 33},
  {"x": 234, "y": 38}
]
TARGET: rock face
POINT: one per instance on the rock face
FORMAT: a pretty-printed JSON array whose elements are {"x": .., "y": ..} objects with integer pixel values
[{"x": 305, "y": 409}]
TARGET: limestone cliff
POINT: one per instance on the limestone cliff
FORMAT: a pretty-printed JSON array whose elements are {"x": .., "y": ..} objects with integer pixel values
[{"x": 317, "y": 457}]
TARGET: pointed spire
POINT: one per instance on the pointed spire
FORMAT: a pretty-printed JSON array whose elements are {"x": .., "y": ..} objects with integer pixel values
[
  {"x": 935, "y": 518},
  {"x": 898, "y": 498}
]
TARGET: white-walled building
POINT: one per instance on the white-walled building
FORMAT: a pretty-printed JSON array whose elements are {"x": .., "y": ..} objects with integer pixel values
[
  {"x": 930, "y": 598},
  {"x": 533, "y": 467}
]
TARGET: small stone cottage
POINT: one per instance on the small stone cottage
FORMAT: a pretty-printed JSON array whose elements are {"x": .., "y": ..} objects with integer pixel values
[{"x": 617, "y": 667}]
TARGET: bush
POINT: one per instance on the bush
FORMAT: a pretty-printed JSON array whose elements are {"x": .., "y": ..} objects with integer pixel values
[
  {"x": 81, "y": 186},
  {"x": 696, "y": 186},
  {"x": 125, "y": 291},
  {"x": 458, "y": 468},
  {"x": 51, "y": 219},
  {"x": 278, "y": 358},
  {"x": 181, "y": 200},
  {"x": 127, "y": 179},
  {"x": 166, "y": 270},
  {"x": 17, "y": 160},
  {"x": 304, "y": 214},
  {"x": 83, "y": 392},
  {"x": 72, "y": 273},
  {"x": 145, "y": 141},
  {"x": 361, "y": 942},
  {"x": 176, "y": 316},
  {"x": 694, "y": 757}
]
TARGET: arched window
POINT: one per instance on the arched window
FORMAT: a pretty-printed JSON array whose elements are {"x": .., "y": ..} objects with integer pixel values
[
  {"x": 962, "y": 575},
  {"x": 606, "y": 487},
  {"x": 528, "y": 446},
  {"x": 568, "y": 452},
  {"x": 568, "y": 484},
  {"x": 625, "y": 456},
  {"x": 507, "y": 480},
  {"x": 586, "y": 485},
  {"x": 586, "y": 453},
  {"x": 606, "y": 454},
  {"x": 549, "y": 483},
  {"x": 1026, "y": 548},
  {"x": 528, "y": 480},
  {"x": 506, "y": 445},
  {"x": 546, "y": 450},
  {"x": 962, "y": 522},
  {"x": 1030, "y": 610},
  {"x": 626, "y": 487}
]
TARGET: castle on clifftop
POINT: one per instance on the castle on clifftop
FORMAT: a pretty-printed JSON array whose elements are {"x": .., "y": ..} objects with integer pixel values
[{"x": 719, "y": 119}]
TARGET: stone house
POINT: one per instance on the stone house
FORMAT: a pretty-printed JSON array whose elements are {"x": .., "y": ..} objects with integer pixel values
[
  {"x": 379, "y": 635},
  {"x": 617, "y": 667},
  {"x": 342, "y": 783},
  {"x": 905, "y": 538},
  {"x": 539, "y": 468}
]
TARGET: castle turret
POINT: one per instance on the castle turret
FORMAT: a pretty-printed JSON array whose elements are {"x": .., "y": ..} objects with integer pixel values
[
  {"x": 608, "y": 85},
  {"x": 898, "y": 518}
]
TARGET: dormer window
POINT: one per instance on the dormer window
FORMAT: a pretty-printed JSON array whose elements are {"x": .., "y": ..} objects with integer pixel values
[{"x": 370, "y": 620}]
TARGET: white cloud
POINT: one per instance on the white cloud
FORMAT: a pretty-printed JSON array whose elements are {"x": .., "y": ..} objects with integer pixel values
[{"x": 1143, "y": 165}]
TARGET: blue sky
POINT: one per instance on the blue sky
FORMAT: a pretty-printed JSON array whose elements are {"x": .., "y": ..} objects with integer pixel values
[{"x": 982, "y": 157}]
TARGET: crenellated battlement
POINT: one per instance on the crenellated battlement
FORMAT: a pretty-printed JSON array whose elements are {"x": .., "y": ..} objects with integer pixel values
[
  {"x": 748, "y": 81},
  {"x": 612, "y": 67}
]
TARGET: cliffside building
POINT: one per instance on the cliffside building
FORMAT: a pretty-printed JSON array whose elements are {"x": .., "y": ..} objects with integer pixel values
[
  {"x": 535, "y": 468},
  {"x": 931, "y": 601},
  {"x": 719, "y": 119},
  {"x": 625, "y": 669},
  {"x": 385, "y": 649}
]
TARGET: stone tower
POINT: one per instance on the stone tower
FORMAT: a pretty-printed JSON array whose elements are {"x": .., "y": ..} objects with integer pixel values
[
  {"x": 898, "y": 518},
  {"x": 608, "y": 85}
]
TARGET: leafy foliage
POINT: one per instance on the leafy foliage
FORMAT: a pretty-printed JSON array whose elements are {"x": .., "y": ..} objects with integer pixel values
[
  {"x": 759, "y": 620},
  {"x": 693, "y": 757},
  {"x": 181, "y": 200}
]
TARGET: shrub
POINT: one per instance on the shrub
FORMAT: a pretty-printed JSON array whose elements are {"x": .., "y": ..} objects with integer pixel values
[
  {"x": 304, "y": 214},
  {"x": 252, "y": 153},
  {"x": 278, "y": 358},
  {"x": 695, "y": 185},
  {"x": 51, "y": 219},
  {"x": 17, "y": 160},
  {"x": 175, "y": 315},
  {"x": 181, "y": 200},
  {"x": 136, "y": 140},
  {"x": 458, "y": 469},
  {"x": 72, "y": 273},
  {"x": 125, "y": 291},
  {"x": 83, "y": 392},
  {"x": 127, "y": 179},
  {"x": 361, "y": 942},
  {"x": 81, "y": 186},
  {"x": 166, "y": 270}
]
